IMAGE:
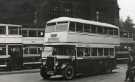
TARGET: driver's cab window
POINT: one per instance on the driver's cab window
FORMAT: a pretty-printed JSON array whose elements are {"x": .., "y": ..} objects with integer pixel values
[
  {"x": 47, "y": 51},
  {"x": 70, "y": 51}
]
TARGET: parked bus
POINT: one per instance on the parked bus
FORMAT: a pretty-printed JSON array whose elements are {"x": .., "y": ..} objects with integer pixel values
[
  {"x": 32, "y": 43},
  {"x": 10, "y": 46},
  {"x": 126, "y": 40},
  {"x": 77, "y": 46},
  {"x": 20, "y": 47}
]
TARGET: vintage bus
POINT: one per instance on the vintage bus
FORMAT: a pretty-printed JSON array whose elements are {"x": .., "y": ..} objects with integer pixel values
[
  {"x": 10, "y": 46},
  {"x": 20, "y": 46},
  {"x": 75, "y": 46},
  {"x": 32, "y": 44}
]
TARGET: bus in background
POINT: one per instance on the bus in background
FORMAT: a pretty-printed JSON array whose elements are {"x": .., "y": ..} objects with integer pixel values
[
  {"x": 20, "y": 46},
  {"x": 32, "y": 43},
  {"x": 77, "y": 46},
  {"x": 126, "y": 40},
  {"x": 10, "y": 46}
]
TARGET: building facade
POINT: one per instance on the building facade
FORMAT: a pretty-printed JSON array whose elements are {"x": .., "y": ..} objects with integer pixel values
[
  {"x": 127, "y": 39},
  {"x": 103, "y": 11}
]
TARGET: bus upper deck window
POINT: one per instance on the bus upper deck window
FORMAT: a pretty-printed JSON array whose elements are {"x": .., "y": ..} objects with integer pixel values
[
  {"x": 50, "y": 27},
  {"x": 110, "y": 31},
  {"x": 24, "y": 33},
  {"x": 51, "y": 24},
  {"x": 2, "y": 30},
  {"x": 62, "y": 22},
  {"x": 115, "y": 31},
  {"x": 93, "y": 28},
  {"x": 61, "y": 26},
  {"x": 13, "y": 30},
  {"x": 72, "y": 26},
  {"x": 105, "y": 30},
  {"x": 79, "y": 27},
  {"x": 87, "y": 28},
  {"x": 100, "y": 30}
]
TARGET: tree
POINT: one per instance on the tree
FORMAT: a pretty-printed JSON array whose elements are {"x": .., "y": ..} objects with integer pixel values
[
  {"x": 128, "y": 24},
  {"x": 121, "y": 24}
]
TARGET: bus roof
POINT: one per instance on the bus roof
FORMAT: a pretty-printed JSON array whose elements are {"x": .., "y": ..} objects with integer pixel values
[
  {"x": 10, "y": 25},
  {"x": 60, "y": 19}
]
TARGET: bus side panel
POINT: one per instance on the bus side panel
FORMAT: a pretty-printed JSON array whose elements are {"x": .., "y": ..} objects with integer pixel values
[{"x": 95, "y": 66}]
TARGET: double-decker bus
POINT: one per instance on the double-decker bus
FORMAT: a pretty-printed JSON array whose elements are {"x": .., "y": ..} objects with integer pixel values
[
  {"x": 10, "y": 46},
  {"x": 76, "y": 46},
  {"x": 20, "y": 46}
]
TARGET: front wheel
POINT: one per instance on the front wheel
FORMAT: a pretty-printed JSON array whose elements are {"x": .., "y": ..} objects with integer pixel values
[
  {"x": 44, "y": 75},
  {"x": 68, "y": 72}
]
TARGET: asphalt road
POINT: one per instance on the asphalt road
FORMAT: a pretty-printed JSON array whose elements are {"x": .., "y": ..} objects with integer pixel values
[{"x": 117, "y": 76}]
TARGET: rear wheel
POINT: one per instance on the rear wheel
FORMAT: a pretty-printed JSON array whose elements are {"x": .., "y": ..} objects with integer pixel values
[
  {"x": 68, "y": 72},
  {"x": 108, "y": 68}
]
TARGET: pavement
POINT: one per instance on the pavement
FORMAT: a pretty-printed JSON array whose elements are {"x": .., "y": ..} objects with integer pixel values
[
  {"x": 120, "y": 67},
  {"x": 19, "y": 71},
  {"x": 33, "y": 75}
]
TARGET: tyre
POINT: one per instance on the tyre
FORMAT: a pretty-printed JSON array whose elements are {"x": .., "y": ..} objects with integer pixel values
[
  {"x": 43, "y": 74},
  {"x": 109, "y": 70},
  {"x": 68, "y": 72}
]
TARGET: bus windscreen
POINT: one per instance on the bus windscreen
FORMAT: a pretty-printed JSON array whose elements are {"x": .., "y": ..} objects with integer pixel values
[
  {"x": 57, "y": 27},
  {"x": 59, "y": 50}
]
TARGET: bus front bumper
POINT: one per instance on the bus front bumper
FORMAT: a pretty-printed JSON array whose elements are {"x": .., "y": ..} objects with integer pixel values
[{"x": 56, "y": 71}]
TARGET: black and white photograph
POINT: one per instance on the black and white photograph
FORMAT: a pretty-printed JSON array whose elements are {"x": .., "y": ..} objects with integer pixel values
[{"x": 67, "y": 40}]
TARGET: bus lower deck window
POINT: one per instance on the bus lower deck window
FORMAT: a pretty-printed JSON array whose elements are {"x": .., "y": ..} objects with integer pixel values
[
  {"x": 79, "y": 52},
  {"x": 87, "y": 52},
  {"x": 2, "y": 50},
  {"x": 106, "y": 51},
  {"x": 94, "y": 52},
  {"x": 100, "y": 51},
  {"x": 111, "y": 51}
]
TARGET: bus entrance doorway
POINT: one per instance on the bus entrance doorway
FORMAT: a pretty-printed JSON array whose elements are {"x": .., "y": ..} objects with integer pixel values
[{"x": 16, "y": 58}]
